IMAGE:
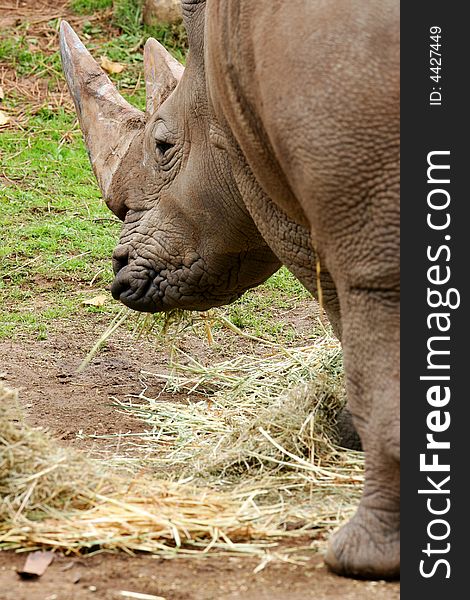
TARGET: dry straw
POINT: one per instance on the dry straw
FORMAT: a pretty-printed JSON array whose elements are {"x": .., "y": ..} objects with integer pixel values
[
  {"x": 57, "y": 498},
  {"x": 246, "y": 458}
]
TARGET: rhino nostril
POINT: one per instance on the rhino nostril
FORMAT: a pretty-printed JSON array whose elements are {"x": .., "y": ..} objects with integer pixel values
[{"x": 120, "y": 259}]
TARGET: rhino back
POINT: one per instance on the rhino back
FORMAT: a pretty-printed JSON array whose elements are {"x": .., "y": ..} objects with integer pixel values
[{"x": 309, "y": 92}]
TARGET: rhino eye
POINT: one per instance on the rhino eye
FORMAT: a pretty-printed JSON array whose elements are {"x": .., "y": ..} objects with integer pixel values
[{"x": 162, "y": 147}]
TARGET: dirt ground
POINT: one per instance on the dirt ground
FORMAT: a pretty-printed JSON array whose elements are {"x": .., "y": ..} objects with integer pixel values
[
  {"x": 54, "y": 395},
  {"x": 104, "y": 577}
]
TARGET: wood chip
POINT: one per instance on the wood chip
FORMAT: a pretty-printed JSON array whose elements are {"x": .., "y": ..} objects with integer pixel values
[
  {"x": 76, "y": 578},
  {"x": 138, "y": 596},
  {"x": 36, "y": 564}
]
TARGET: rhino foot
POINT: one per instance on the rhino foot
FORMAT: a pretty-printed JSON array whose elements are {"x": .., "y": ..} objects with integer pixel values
[{"x": 368, "y": 546}]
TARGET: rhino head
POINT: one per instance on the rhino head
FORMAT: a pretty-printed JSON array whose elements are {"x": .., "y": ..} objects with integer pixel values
[{"x": 187, "y": 240}]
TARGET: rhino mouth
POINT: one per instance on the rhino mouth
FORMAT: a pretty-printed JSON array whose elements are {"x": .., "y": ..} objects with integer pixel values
[
  {"x": 145, "y": 288},
  {"x": 155, "y": 294}
]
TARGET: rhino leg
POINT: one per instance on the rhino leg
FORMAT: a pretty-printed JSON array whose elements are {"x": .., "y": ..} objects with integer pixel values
[{"x": 369, "y": 544}]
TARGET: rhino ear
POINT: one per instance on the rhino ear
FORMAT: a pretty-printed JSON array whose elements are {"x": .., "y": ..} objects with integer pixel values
[
  {"x": 109, "y": 123},
  {"x": 162, "y": 74}
]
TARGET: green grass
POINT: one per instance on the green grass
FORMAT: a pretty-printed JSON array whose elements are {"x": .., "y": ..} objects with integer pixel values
[
  {"x": 88, "y": 7},
  {"x": 23, "y": 54},
  {"x": 57, "y": 234},
  {"x": 257, "y": 312},
  {"x": 127, "y": 17}
]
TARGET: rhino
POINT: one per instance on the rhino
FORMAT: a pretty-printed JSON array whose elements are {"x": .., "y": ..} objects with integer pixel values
[{"x": 277, "y": 143}]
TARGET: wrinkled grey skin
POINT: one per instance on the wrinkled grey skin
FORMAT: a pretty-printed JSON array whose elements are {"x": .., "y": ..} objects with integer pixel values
[{"x": 280, "y": 144}]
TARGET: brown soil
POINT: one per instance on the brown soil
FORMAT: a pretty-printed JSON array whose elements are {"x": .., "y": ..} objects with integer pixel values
[
  {"x": 104, "y": 577},
  {"x": 55, "y": 396}
]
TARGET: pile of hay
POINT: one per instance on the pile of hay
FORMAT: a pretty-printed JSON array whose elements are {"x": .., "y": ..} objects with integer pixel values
[
  {"x": 249, "y": 458},
  {"x": 57, "y": 498},
  {"x": 254, "y": 414},
  {"x": 36, "y": 474},
  {"x": 264, "y": 422}
]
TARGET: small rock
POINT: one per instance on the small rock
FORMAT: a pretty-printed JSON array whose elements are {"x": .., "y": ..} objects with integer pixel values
[{"x": 162, "y": 11}]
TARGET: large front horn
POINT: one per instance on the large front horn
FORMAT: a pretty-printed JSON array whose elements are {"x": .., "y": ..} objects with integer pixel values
[{"x": 108, "y": 122}]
